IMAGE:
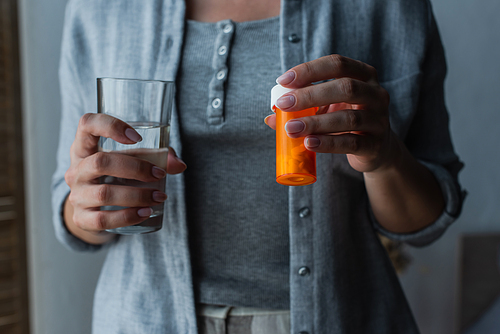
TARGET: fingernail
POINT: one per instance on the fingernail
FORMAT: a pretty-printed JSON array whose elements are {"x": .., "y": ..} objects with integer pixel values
[
  {"x": 294, "y": 126},
  {"x": 265, "y": 119},
  {"x": 133, "y": 135},
  {"x": 180, "y": 160},
  {"x": 158, "y": 172},
  {"x": 285, "y": 101},
  {"x": 158, "y": 196},
  {"x": 312, "y": 142},
  {"x": 286, "y": 78},
  {"x": 145, "y": 212}
]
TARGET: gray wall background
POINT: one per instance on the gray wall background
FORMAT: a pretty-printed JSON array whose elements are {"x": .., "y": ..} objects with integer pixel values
[
  {"x": 62, "y": 283},
  {"x": 470, "y": 32}
]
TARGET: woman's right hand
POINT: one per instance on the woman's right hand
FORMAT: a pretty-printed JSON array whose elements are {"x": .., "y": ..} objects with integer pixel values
[{"x": 82, "y": 213}]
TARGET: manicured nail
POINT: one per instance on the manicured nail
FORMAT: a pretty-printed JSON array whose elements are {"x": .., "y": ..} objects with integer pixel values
[
  {"x": 133, "y": 135},
  {"x": 265, "y": 119},
  {"x": 180, "y": 160},
  {"x": 145, "y": 212},
  {"x": 286, "y": 78},
  {"x": 158, "y": 172},
  {"x": 285, "y": 102},
  {"x": 294, "y": 126},
  {"x": 158, "y": 196},
  {"x": 312, "y": 142}
]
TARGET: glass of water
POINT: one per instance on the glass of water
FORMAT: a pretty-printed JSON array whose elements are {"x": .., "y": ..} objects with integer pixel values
[{"x": 145, "y": 105}]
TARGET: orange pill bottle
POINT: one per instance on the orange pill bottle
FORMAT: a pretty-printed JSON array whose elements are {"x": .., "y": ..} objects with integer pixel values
[{"x": 295, "y": 165}]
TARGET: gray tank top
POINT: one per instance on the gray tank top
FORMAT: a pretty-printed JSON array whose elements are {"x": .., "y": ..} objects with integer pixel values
[{"x": 237, "y": 213}]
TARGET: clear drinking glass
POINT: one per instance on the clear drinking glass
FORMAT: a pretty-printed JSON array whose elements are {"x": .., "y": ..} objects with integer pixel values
[{"x": 145, "y": 105}]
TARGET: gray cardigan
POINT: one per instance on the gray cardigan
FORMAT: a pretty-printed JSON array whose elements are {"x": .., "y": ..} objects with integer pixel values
[{"x": 341, "y": 280}]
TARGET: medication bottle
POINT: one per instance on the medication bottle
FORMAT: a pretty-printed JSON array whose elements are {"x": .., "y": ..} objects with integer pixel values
[{"x": 295, "y": 165}]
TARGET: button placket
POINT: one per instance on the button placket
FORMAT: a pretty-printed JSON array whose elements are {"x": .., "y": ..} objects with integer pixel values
[
  {"x": 303, "y": 294},
  {"x": 222, "y": 47},
  {"x": 303, "y": 266}
]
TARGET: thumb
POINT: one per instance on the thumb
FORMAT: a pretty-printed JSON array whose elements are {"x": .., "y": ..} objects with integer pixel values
[{"x": 174, "y": 164}]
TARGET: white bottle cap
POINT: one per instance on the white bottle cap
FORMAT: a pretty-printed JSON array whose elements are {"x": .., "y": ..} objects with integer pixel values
[{"x": 277, "y": 92}]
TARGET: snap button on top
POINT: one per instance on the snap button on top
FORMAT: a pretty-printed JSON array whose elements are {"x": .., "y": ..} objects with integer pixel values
[
  {"x": 216, "y": 103},
  {"x": 293, "y": 38},
  {"x": 304, "y": 212},
  {"x": 227, "y": 28},
  {"x": 304, "y": 271},
  {"x": 221, "y": 75},
  {"x": 222, "y": 50}
]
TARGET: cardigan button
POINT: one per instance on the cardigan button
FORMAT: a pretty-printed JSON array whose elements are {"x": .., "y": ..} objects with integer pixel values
[
  {"x": 304, "y": 212},
  {"x": 304, "y": 271},
  {"x": 293, "y": 38}
]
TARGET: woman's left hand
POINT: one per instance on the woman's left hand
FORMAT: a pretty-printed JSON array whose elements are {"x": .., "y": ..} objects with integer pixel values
[{"x": 353, "y": 117}]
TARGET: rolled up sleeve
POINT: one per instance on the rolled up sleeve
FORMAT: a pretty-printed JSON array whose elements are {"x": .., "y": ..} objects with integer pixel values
[{"x": 429, "y": 141}]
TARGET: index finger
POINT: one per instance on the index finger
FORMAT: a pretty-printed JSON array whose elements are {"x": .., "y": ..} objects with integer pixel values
[
  {"x": 326, "y": 68},
  {"x": 93, "y": 126}
]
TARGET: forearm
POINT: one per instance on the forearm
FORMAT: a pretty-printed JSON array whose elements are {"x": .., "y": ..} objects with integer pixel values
[
  {"x": 89, "y": 237},
  {"x": 405, "y": 196}
]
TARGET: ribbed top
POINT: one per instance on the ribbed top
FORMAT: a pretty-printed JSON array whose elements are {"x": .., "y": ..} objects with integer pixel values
[{"x": 237, "y": 213}]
